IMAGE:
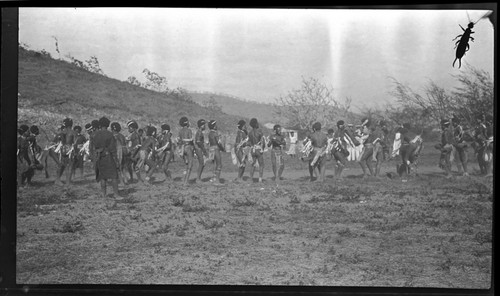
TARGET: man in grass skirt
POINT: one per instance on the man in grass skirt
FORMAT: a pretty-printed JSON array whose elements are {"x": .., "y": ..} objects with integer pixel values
[
  {"x": 122, "y": 152},
  {"x": 483, "y": 144},
  {"x": 241, "y": 149},
  {"x": 445, "y": 147},
  {"x": 368, "y": 138},
  {"x": 165, "y": 151},
  {"x": 319, "y": 142},
  {"x": 215, "y": 149},
  {"x": 199, "y": 148},
  {"x": 461, "y": 147},
  {"x": 186, "y": 147},
  {"x": 106, "y": 159},
  {"x": 277, "y": 142},
  {"x": 343, "y": 140},
  {"x": 134, "y": 143},
  {"x": 256, "y": 141},
  {"x": 147, "y": 153},
  {"x": 78, "y": 158},
  {"x": 409, "y": 150},
  {"x": 24, "y": 169},
  {"x": 66, "y": 151},
  {"x": 35, "y": 149}
]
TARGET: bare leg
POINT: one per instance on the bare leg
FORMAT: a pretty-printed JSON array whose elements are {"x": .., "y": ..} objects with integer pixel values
[{"x": 103, "y": 188}]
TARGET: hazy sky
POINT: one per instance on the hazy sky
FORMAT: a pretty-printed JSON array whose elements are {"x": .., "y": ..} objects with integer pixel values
[{"x": 260, "y": 54}]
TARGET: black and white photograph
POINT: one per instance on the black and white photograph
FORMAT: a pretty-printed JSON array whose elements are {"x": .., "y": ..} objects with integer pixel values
[{"x": 311, "y": 147}]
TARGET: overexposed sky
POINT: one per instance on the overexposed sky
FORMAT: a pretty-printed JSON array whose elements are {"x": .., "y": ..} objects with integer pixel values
[{"x": 260, "y": 54}]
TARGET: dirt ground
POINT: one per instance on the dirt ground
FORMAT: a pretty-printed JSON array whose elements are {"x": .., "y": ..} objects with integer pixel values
[{"x": 427, "y": 232}]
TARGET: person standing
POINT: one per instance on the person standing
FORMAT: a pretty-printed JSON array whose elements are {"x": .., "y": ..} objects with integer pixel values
[
  {"x": 445, "y": 147},
  {"x": 241, "y": 148},
  {"x": 216, "y": 147},
  {"x": 106, "y": 159},
  {"x": 24, "y": 170},
  {"x": 35, "y": 149},
  {"x": 186, "y": 142},
  {"x": 199, "y": 147},
  {"x": 319, "y": 142},
  {"x": 256, "y": 141},
  {"x": 277, "y": 143},
  {"x": 379, "y": 146},
  {"x": 121, "y": 150},
  {"x": 78, "y": 158},
  {"x": 483, "y": 142},
  {"x": 411, "y": 145},
  {"x": 146, "y": 153},
  {"x": 368, "y": 139},
  {"x": 165, "y": 149},
  {"x": 293, "y": 144},
  {"x": 460, "y": 146},
  {"x": 344, "y": 140},
  {"x": 134, "y": 143},
  {"x": 66, "y": 151}
]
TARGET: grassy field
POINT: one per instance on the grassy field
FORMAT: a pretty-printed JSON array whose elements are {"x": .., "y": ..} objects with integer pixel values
[{"x": 428, "y": 232}]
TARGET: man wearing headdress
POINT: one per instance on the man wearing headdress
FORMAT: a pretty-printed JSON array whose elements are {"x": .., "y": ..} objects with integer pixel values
[
  {"x": 242, "y": 148},
  {"x": 146, "y": 153},
  {"x": 66, "y": 151},
  {"x": 106, "y": 159},
  {"x": 319, "y": 142},
  {"x": 78, "y": 158},
  {"x": 344, "y": 139},
  {"x": 186, "y": 142},
  {"x": 411, "y": 144},
  {"x": 165, "y": 150},
  {"x": 35, "y": 149},
  {"x": 199, "y": 148},
  {"x": 445, "y": 147},
  {"x": 24, "y": 169},
  {"x": 368, "y": 140},
  {"x": 483, "y": 144},
  {"x": 216, "y": 147},
  {"x": 122, "y": 153},
  {"x": 277, "y": 143},
  {"x": 133, "y": 144},
  {"x": 460, "y": 146},
  {"x": 257, "y": 142}
]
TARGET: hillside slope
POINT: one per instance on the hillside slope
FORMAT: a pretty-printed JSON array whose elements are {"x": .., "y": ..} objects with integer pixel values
[
  {"x": 263, "y": 112},
  {"x": 50, "y": 90}
]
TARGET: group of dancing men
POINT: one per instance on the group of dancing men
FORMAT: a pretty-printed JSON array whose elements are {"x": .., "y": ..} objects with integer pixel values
[{"x": 116, "y": 157}]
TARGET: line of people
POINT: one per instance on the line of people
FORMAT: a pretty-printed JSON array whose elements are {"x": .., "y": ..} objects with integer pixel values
[{"x": 117, "y": 158}]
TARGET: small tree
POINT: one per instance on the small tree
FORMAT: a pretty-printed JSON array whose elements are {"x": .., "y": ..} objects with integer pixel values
[
  {"x": 475, "y": 96},
  {"x": 132, "y": 80},
  {"x": 155, "y": 82},
  {"x": 312, "y": 102},
  {"x": 93, "y": 66}
]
